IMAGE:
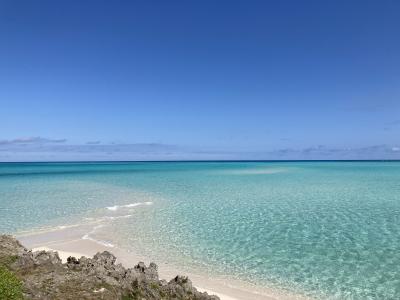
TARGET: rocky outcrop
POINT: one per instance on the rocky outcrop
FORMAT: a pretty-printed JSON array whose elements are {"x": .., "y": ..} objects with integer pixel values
[{"x": 44, "y": 276}]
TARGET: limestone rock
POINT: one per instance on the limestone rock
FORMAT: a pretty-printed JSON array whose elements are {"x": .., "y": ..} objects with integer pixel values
[{"x": 45, "y": 277}]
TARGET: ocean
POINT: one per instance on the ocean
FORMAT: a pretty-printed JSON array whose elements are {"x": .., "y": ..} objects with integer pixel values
[{"x": 327, "y": 230}]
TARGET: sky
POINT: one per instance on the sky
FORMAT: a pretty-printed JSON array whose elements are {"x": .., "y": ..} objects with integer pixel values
[{"x": 171, "y": 80}]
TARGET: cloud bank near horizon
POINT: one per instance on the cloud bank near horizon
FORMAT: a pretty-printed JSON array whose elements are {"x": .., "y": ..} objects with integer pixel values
[
  {"x": 37, "y": 140},
  {"x": 45, "y": 149}
]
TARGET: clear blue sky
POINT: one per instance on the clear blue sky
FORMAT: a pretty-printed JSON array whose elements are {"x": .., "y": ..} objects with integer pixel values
[{"x": 199, "y": 79}]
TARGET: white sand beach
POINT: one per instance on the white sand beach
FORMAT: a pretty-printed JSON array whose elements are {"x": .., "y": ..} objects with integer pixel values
[{"x": 68, "y": 242}]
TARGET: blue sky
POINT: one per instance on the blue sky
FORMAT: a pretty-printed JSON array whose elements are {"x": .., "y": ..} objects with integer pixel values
[{"x": 121, "y": 80}]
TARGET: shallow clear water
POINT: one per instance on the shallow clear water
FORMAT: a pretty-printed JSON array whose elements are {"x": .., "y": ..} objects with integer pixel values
[{"x": 325, "y": 229}]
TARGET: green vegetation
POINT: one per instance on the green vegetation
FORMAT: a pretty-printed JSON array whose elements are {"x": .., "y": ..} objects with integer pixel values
[
  {"x": 7, "y": 260},
  {"x": 154, "y": 285},
  {"x": 10, "y": 285}
]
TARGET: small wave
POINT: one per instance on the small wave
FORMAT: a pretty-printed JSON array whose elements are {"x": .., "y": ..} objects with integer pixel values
[
  {"x": 104, "y": 243},
  {"x": 119, "y": 217},
  {"x": 116, "y": 207},
  {"x": 66, "y": 226}
]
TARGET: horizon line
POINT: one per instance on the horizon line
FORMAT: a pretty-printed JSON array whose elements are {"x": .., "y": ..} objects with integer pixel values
[{"x": 205, "y": 160}]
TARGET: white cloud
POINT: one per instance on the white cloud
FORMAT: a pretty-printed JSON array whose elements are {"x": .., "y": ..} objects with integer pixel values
[{"x": 30, "y": 141}]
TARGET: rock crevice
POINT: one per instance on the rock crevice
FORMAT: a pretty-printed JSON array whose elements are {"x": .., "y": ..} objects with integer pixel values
[{"x": 44, "y": 276}]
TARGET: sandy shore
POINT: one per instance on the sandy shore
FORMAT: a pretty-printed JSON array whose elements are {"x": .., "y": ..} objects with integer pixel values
[{"x": 68, "y": 242}]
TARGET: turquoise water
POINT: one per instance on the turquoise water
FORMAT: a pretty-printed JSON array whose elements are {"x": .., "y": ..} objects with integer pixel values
[{"x": 329, "y": 230}]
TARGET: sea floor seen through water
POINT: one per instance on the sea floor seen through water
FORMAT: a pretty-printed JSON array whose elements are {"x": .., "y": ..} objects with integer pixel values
[{"x": 328, "y": 230}]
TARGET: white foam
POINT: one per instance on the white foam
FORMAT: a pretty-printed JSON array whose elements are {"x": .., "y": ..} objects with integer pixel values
[
  {"x": 88, "y": 237},
  {"x": 115, "y": 217},
  {"x": 66, "y": 226},
  {"x": 116, "y": 207},
  {"x": 104, "y": 243}
]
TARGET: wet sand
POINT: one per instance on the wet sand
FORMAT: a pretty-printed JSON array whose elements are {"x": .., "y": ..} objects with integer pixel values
[{"x": 69, "y": 242}]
